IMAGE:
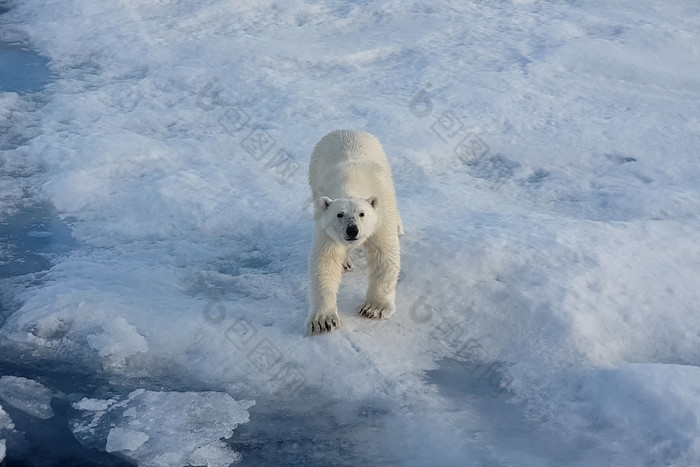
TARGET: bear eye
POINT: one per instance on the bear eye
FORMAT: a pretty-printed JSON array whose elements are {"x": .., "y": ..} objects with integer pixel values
[
  {"x": 362, "y": 214},
  {"x": 340, "y": 214}
]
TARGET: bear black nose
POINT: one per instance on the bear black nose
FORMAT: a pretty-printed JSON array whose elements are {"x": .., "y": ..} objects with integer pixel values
[{"x": 352, "y": 231}]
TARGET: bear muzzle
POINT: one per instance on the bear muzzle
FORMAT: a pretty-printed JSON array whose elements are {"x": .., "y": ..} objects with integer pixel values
[{"x": 351, "y": 233}]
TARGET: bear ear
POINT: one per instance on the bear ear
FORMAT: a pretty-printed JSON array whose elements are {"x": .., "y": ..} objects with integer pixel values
[
  {"x": 324, "y": 202},
  {"x": 373, "y": 201}
]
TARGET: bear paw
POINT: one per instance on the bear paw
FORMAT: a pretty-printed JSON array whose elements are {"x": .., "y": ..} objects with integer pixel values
[
  {"x": 324, "y": 322},
  {"x": 376, "y": 310}
]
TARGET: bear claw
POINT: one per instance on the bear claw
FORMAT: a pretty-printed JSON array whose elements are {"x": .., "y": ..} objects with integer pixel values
[
  {"x": 322, "y": 326},
  {"x": 374, "y": 311}
]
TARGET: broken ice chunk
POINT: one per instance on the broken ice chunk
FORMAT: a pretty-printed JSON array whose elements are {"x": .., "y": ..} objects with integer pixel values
[
  {"x": 6, "y": 423},
  {"x": 214, "y": 454},
  {"x": 163, "y": 428},
  {"x": 27, "y": 395},
  {"x": 120, "y": 439}
]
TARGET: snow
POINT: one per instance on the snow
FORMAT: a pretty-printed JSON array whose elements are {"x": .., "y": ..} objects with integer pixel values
[
  {"x": 163, "y": 428},
  {"x": 670, "y": 396},
  {"x": 545, "y": 156},
  {"x": 27, "y": 395}
]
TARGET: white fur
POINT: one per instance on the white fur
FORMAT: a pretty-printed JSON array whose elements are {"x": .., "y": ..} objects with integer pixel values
[{"x": 355, "y": 205}]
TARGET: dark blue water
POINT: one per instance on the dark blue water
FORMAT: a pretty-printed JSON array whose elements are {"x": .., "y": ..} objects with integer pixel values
[
  {"x": 22, "y": 70},
  {"x": 32, "y": 238},
  {"x": 50, "y": 443}
]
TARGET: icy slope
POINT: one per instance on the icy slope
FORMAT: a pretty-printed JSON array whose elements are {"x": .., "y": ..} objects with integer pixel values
[{"x": 545, "y": 156}]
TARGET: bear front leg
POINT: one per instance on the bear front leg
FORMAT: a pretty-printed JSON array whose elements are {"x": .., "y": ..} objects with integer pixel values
[
  {"x": 384, "y": 262},
  {"x": 326, "y": 270}
]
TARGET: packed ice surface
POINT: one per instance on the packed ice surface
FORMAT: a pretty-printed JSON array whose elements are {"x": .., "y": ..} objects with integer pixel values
[
  {"x": 163, "y": 428},
  {"x": 26, "y": 395},
  {"x": 545, "y": 156},
  {"x": 666, "y": 397}
]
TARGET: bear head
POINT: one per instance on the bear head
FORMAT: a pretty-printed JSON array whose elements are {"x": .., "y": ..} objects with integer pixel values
[{"x": 349, "y": 221}]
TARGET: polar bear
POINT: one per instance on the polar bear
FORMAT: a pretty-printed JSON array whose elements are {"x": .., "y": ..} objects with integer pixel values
[{"x": 354, "y": 206}]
